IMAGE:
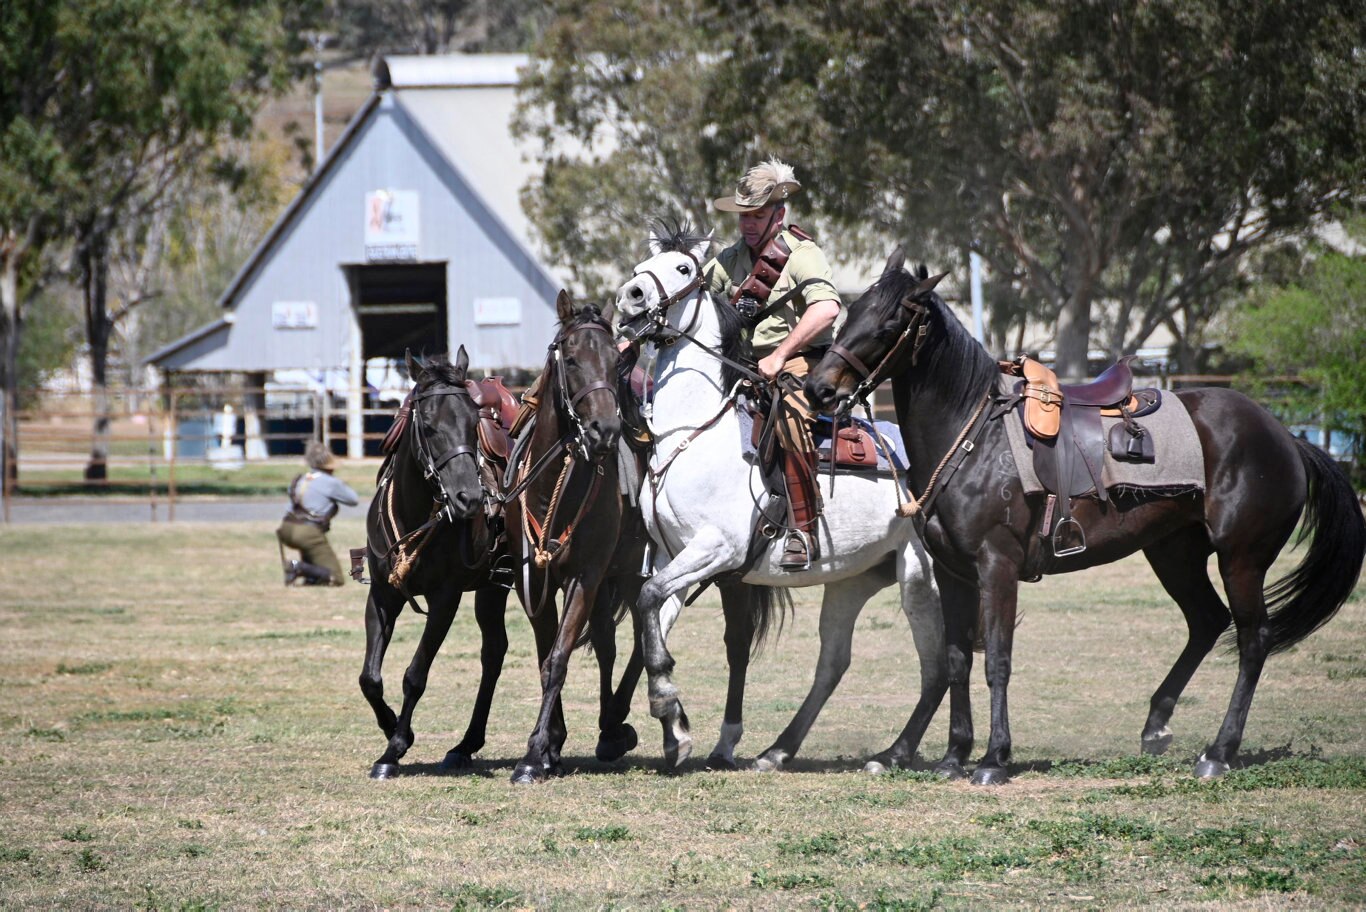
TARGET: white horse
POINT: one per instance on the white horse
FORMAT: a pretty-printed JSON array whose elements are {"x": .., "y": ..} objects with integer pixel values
[{"x": 702, "y": 504}]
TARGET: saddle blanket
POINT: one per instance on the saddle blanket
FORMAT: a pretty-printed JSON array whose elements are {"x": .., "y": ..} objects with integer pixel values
[
  {"x": 1178, "y": 467},
  {"x": 891, "y": 434}
]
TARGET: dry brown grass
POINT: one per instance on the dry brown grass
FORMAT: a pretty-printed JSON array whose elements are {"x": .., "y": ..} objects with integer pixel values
[{"x": 181, "y": 732}]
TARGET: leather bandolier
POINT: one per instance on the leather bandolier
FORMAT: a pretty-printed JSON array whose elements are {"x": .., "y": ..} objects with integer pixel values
[{"x": 798, "y": 457}]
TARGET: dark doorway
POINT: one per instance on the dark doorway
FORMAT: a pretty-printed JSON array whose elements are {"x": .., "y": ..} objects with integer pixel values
[{"x": 401, "y": 306}]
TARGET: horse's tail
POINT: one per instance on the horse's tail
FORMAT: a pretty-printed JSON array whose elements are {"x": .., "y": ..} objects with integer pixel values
[
  {"x": 1312, "y": 593},
  {"x": 767, "y": 605}
]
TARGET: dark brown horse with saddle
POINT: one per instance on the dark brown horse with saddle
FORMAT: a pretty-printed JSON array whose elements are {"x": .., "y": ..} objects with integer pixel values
[{"x": 1255, "y": 484}]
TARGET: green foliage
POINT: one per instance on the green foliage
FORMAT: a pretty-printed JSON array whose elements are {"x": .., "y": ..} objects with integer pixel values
[
  {"x": 1314, "y": 328},
  {"x": 614, "y": 833}
]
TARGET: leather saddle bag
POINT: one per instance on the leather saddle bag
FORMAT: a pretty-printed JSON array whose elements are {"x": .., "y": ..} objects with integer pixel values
[{"x": 853, "y": 447}]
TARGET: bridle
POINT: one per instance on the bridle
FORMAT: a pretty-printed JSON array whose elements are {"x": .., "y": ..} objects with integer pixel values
[
  {"x": 432, "y": 465},
  {"x": 571, "y": 402},
  {"x": 918, "y": 323}
]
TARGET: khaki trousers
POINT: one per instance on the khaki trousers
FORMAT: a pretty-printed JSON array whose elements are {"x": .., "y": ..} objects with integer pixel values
[{"x": 312, "y": 543}]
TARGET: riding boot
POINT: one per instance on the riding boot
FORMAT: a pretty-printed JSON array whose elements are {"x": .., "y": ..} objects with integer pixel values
[
  {"x": 799, "y": 475},
  {"x": 311, "y": 574}
]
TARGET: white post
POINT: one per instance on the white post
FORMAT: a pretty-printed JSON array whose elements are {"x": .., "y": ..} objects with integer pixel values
[
  {"x": 975, "y": 284},
  {"x": 355, "y": 440}
]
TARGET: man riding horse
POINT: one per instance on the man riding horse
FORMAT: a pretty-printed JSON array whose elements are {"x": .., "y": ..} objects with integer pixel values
[{"x": 779, "y": 279}]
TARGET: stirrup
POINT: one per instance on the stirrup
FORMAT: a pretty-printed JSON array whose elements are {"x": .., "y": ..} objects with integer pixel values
[
  {"x": 807, "y": 547},
  {"x": 501, "y": 573},
  {"x": 1057, "y": 537}
]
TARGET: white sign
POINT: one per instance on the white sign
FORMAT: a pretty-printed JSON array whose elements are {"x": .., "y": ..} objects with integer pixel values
[
  {"x": 392, "y": 227},
  {"x": 294, "y": 315},
  {"x": 497, "y": 311}
]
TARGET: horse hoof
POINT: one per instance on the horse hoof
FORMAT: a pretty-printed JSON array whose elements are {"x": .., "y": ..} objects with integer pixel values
[
  {"x": 769, "y": 763},
  {"x": 527, "y": 774},
  {"x": 1210, "y": 769},
  {"x": 675, "y": 754},
  {"x": 874, "y": 768},
  {"x": 1156, "y": 744},
  {"x": 950, "y": 770},
  {"x": 721, "y": 763},
  {"x": 384, "y": 771},
  {"x": 457, "y": 759},
  {"x": 990, "y": 775},
  {"x": 614, "y": 748}
]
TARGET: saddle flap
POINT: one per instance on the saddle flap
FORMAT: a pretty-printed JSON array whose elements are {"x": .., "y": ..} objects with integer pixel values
[{"x": 494, "y": 395}]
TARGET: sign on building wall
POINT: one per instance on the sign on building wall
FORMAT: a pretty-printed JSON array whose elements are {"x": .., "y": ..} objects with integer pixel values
[
  {"x": 392, "y": 229},
  {"x": 294, "y": 315},
  {"x": 497, "y": 311}
]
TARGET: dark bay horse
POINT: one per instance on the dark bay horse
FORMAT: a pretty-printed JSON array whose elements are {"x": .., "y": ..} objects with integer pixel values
[
  {"x": 564, "y": 519},
  {"x": 426, "y": 535},
  {"x": 1259, "y": 482}
]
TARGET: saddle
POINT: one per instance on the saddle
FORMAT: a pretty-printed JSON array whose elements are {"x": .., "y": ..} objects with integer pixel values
[{"x": 1065, "y": 434}]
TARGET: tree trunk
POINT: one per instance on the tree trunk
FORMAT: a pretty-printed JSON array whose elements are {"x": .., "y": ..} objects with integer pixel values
[
  {"x": 9, "y": 367},
  {"x": 1073, "y": 337},
  {"x": 94, "y": 258}
]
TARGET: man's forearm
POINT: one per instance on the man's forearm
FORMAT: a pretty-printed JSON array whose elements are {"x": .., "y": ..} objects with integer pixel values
[{"x": 818, "y": 318}]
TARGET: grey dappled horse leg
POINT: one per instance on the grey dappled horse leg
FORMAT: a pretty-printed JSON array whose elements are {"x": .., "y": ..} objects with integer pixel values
[
  {"x": 490, "y": 609},
  {"x": 840, "y": 608},
  {"x": 1180, "y": 565},
  {"x": 441, "y": 608},
  {"x": 920, "y": 602},
  {"x": 705, "y": 556},
  {"x": 736, "y": 607},
  {"x": 382, "y": 608}
]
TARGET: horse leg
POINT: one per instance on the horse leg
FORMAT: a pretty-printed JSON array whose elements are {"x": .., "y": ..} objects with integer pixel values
[
  {"x": 840, "y": 607},
  {"x": 490, "y": 610},
  {"x": 382, "y": 608},
  {"x": 706, "y": 555},
  {"x": 1179, "y": 562},
  {"x": 1244, "y": 577},
  {"x": 735, "y": 606},
  {"x": 441, "y": 609},
  {"x": 960, "y": 601},
  {"x": 542, "y": 753},
  {"x": 999, "y": 590},
  {"x": 920, "y": 603},
  {"x": 615, "y": 737}
]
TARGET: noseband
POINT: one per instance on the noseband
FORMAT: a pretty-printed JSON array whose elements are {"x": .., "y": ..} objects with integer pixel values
[
  {"x": 571, "y": 402},
  {"x": 870, "y": 378},
  {"x": 432, "y": 465},
  {"x": 656, "y": 312}
]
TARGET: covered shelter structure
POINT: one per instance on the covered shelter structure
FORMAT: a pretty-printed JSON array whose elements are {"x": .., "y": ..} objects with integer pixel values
[{"x": 409, "y": 236}]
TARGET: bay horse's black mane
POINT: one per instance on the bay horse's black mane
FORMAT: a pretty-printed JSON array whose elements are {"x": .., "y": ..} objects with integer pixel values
[
  {"x": 951, "y": 360},
  {"x": 677, "y": 235},
  {"x": 439, "y": 369}
]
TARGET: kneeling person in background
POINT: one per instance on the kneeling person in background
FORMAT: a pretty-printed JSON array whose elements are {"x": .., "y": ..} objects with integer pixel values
[{"x": 313, "y": 500}]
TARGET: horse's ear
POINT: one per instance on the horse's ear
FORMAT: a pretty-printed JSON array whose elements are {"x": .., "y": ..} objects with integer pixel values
[
  {"x": 609, "y": 311},
  {"x": 700, "y": 249},
  {"x": 927, "y": 283},
  {"x": 408, "y": 362},
  {"x": 564, "y": 306},
  {"x": 895, "y": 261},
  {"x": 462, "y": 360},
  {"x": 655, "y": 243}
]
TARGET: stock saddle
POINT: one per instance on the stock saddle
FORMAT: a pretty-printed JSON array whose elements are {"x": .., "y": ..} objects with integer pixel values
[{"x": 1064, "y": 431}]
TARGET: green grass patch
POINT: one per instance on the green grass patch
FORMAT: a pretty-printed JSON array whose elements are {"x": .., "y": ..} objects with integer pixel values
[
  {"x": 603, "y": 834},
  {"x": 88, "y": 668}
]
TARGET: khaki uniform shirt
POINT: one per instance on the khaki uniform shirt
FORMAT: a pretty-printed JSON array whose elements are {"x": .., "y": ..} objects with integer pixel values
[{"x": 731, "y": 266}]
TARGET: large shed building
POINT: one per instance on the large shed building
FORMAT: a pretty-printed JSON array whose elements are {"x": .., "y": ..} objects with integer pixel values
[{"x": 410, "y": 235}]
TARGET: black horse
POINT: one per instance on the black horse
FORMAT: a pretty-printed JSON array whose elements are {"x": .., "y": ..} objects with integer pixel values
[
  {"x": 427, "y": 535},
  {"x": 1259, "y": 481}
]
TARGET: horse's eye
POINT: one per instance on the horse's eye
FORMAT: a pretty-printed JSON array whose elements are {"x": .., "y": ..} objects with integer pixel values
[{"x": 683, "y": 269}]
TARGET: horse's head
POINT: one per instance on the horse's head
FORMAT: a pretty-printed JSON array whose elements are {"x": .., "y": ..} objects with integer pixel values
[
  {"x": 445, "y": 425},
  {"x": 584, "y": 361},
  {"x": 886, "y": 328},
  {"x": 649, "y": 300}
]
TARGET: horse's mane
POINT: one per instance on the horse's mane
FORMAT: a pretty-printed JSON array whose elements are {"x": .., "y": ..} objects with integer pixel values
[
  {"x": 678, "y": 236},
  {"x": 951, "y": 361},
  {"x": 439, "y": 369}
]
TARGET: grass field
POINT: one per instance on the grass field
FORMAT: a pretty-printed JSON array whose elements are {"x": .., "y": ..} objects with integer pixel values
[{"x": 180, "y": 732}]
